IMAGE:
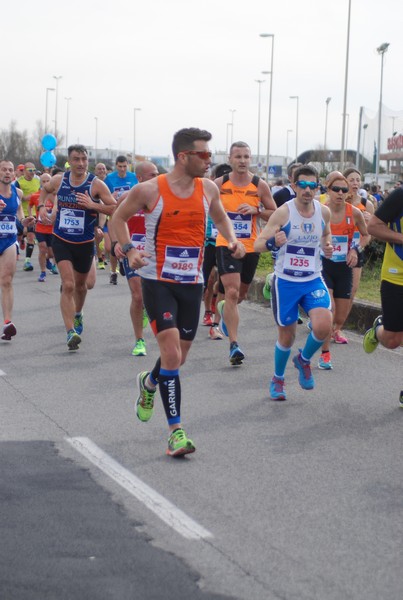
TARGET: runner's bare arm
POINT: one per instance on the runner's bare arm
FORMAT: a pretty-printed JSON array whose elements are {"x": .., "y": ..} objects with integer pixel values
[{"x": 271, "y": 235}]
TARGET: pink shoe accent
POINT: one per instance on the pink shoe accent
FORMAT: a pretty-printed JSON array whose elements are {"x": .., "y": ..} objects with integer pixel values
[{"x": 339, "y": 339}]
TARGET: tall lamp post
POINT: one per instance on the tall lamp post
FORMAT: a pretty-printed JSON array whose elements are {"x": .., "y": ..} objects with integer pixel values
[
  {"x": 46, "y": 107},
  {"x": 57, "y": 77},
  {"x": 134, "y": 135},
  {"x": 296, "y": 127},
  {"x": 232, "y": 110},
  {"x": 259, "y": 82},
  {"x": 325, "y": 142},
  {"x": 227, "y": 139},
  {"x": 96, "y": 140},
  {"x": 67, "y": 120},
  {"x": 381, "y": 50},
  {"x": 363, "y": 146},
  {"x": 269, "y": 35},
  {"x": 393, "y": 125},
  {"x": 343, "y": 132},
  {"x": 286, "y": 151}
]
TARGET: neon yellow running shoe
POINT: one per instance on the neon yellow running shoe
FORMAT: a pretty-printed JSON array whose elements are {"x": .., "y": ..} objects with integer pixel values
[
  {"x": 179, "y": 444},
  {"x": 370, "y": 341},
  {"x": 140, "y": 348},
  {"x": 145, "y": 399}
]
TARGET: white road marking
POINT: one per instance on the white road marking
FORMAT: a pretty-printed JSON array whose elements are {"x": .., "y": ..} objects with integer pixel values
[
  {"x": 2, "y": 373},
  {"x": 162, "y": 507}
]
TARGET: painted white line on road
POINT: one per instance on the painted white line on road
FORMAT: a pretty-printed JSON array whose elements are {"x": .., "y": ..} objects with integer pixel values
[
  {"x": 164, "y": 509},
  {"x": 2, "y": 373}
]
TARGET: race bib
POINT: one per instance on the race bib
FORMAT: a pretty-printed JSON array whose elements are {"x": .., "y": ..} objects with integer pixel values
[
  {"x": 8, "y": 225},
  {"x": 138, "y": 241},
  {"x": 181, "y": 264},
  {"x": 72, "y": 221},
  {"x": 242, "y": 224},
  {"x": 340, "y": 248},
  {"x": 299, "y": 261}
]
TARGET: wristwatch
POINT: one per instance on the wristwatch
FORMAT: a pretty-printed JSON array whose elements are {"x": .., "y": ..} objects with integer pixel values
[{"x": 127, "y": 247}]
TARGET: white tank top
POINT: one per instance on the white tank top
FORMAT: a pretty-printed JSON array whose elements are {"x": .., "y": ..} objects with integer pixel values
[{"x": 299, "y": 257}]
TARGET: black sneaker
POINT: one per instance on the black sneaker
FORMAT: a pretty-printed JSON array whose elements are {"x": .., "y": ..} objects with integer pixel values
[{"x": 113, "y": 279}]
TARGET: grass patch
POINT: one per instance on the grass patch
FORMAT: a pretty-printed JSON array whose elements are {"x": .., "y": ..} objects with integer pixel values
[{"x": 369, "y": 285}]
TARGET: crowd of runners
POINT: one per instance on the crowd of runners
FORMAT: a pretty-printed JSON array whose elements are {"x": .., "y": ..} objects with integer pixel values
[{"x": 195, "y": 234}]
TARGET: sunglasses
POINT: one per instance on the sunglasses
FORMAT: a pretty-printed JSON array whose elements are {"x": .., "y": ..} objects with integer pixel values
[
  {"x": 203, "y": 154},
  {"x": 30, "y": 170},
  {"x": 338, "y": 188},
  {"x": 312, "y": 185}
]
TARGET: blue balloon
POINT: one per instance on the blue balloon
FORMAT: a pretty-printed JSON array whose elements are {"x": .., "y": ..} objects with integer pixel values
[
  {"x": 49, "y": 142},
  {"x": 48, "y": 159}
]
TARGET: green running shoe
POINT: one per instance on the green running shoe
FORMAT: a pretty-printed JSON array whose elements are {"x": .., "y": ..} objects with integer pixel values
[
  {"x": 73, "y": 340},
  {"x": 145, "y": 399},
  {"x": 179, "y": 444},
  {"x": 78, "y": 323},
  {"x": 140, "y": 348},
  {"x": 370, "y": 341}
]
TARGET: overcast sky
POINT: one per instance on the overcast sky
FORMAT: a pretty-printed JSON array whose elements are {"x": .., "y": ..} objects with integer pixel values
[{"x": 187, "y": 63}]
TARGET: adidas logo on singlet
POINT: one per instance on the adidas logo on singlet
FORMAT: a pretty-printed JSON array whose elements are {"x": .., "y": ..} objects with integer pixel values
[
  {"x": 238, "y": 218},
  {"x": 301, "y": 251},
  {"x": 184, "y": 254}
]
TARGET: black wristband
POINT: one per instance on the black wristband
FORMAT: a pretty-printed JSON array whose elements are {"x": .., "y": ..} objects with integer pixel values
[
  {"x": 40, "y": 206},
  {"x": 271, "y": 243}
]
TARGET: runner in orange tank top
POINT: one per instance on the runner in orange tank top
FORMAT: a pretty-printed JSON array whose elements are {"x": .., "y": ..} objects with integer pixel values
[
  {"x": 170, "y": 267},
  {"x": 338, "y": 271},
  {"x": 245, "y": 197},
  {"x": 43, "y": 231}
]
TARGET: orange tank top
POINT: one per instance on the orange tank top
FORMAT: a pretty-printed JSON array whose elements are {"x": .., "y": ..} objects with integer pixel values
[
  {"x": 244, "y": 225},
  {"x": 342, "y": 235},
  {"x": 175, "y": 234}
]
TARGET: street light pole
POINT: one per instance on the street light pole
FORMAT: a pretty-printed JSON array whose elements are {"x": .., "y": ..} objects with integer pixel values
[
  {"x": 134, "y": 135},
  {"x": 259, "y": 82},
  {"x": 343, "y": 132},
  {"x": 381, "y": 50},
  {"x": 57, "y": 77},
  {"x": 269, "y": 35},
  {"x": 296, "y": 127},
  {"x": 232, "y": 110},
  {"x": 67, "y": 121},
  {"x": 363, "y": 146},
  {"x": 286, "y": 152},
  {"x": 227, "y": 139},
  {"x": 46, "y": 107},
  {"x": 325, "y": 142}
]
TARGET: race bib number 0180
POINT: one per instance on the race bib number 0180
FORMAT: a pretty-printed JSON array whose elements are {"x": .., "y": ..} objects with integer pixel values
[{"x": 181, "y": 264}]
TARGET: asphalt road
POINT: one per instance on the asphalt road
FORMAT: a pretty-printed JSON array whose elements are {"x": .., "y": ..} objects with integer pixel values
[{"x": 295, "y": 500}]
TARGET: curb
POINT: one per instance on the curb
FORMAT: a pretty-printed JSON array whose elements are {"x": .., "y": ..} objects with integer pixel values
[{"x": 361, "y": 316}]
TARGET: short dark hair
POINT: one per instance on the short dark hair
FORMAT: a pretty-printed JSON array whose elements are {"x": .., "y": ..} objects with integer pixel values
[
  {"x": 120, "y": 158},
  {"x": 185, "y": 138},
  {"x": 291, "y": 168},
  {"x": 77, "y": 148},
  {"x": 305, "y": 170},
  {"x": 238, "y": 145}
]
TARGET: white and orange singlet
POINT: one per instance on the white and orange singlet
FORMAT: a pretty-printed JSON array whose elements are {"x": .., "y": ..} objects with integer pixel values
[{"x": 175, "y": 235}]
